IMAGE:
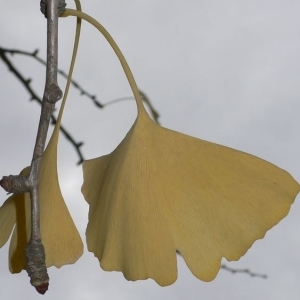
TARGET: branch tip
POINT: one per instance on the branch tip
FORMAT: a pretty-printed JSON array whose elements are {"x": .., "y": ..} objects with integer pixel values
[
  {"x": 35, "y": 52},
  {"x": 36, "y": 266}
]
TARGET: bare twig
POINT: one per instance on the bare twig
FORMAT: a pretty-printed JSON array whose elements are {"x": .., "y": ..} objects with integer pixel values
[
  {"x": 234, "y": 271},
  {"x": 246, "y": 271},
  {"x": 77, "y": 145},
  {"x": 35, "y": 97},
  {"x": 145, "y": 98},
  {"x": 34, "y": 55},
  {"x": 82, "y": 91},
  {"x": 154, "y": 112},
  {"x": 35, "y": 252}
]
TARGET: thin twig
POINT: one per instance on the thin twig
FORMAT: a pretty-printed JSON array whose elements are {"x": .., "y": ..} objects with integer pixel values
[
  {"x": 35, "y": 97},
  {"x": 234, "y": 271},
  {"x": 35, "y": 252},
  {"x": 145, "y": 98},
  {"x": 77, "y": 145},
  {"x": 154, "y": 112},
  {"x": 34, "y": 55},
  {"x": 82, "y": 91},
  {"x": 246, "y": 271}
]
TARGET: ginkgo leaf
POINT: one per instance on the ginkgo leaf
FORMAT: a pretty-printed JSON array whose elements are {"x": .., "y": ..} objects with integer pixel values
[
  {"x": 58, "y": 230},
  {"x": 161, "y": 191},
  {"x": 8, "y": 218},
  {"x": 12, "y": 212},
  {"x": 60, "y": 237}
]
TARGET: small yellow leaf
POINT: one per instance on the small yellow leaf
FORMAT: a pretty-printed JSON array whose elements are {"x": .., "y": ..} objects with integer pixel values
[
  {"x": 7, "y": 218},
  {"x": 60, "y": 237}
]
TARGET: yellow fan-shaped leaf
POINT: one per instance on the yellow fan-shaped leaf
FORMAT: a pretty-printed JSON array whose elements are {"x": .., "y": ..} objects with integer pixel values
[
  {"x": 59, "y": 233},
  {"x": 7, "y": 219},
  {"x": 160, "y": 191},
  {"x": 12, "y": 211},
  {"x": 60, "y": 237}
]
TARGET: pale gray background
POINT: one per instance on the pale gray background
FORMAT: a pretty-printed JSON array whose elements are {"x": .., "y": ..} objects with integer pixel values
[{"x": 225, "y": 71}]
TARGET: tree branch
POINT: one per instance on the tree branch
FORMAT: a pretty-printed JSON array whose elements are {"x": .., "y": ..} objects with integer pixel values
[
  {"x": 246, "y": 271},
  {"x": 35, "y": 97},
  {"x": 82, "y": 91},
  {"x": 34, "y": 55}
]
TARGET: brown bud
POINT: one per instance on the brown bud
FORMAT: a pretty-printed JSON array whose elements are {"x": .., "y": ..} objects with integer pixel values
[
  {"x": 36, "y": 265},
  {"x": 43, "y": 288}
]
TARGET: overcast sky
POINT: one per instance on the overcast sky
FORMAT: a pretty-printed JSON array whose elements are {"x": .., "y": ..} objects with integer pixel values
[{"x": 224, "y": 71}]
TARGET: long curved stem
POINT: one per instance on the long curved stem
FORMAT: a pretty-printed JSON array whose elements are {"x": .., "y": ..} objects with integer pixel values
[{"x": 108, "y": 37}]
